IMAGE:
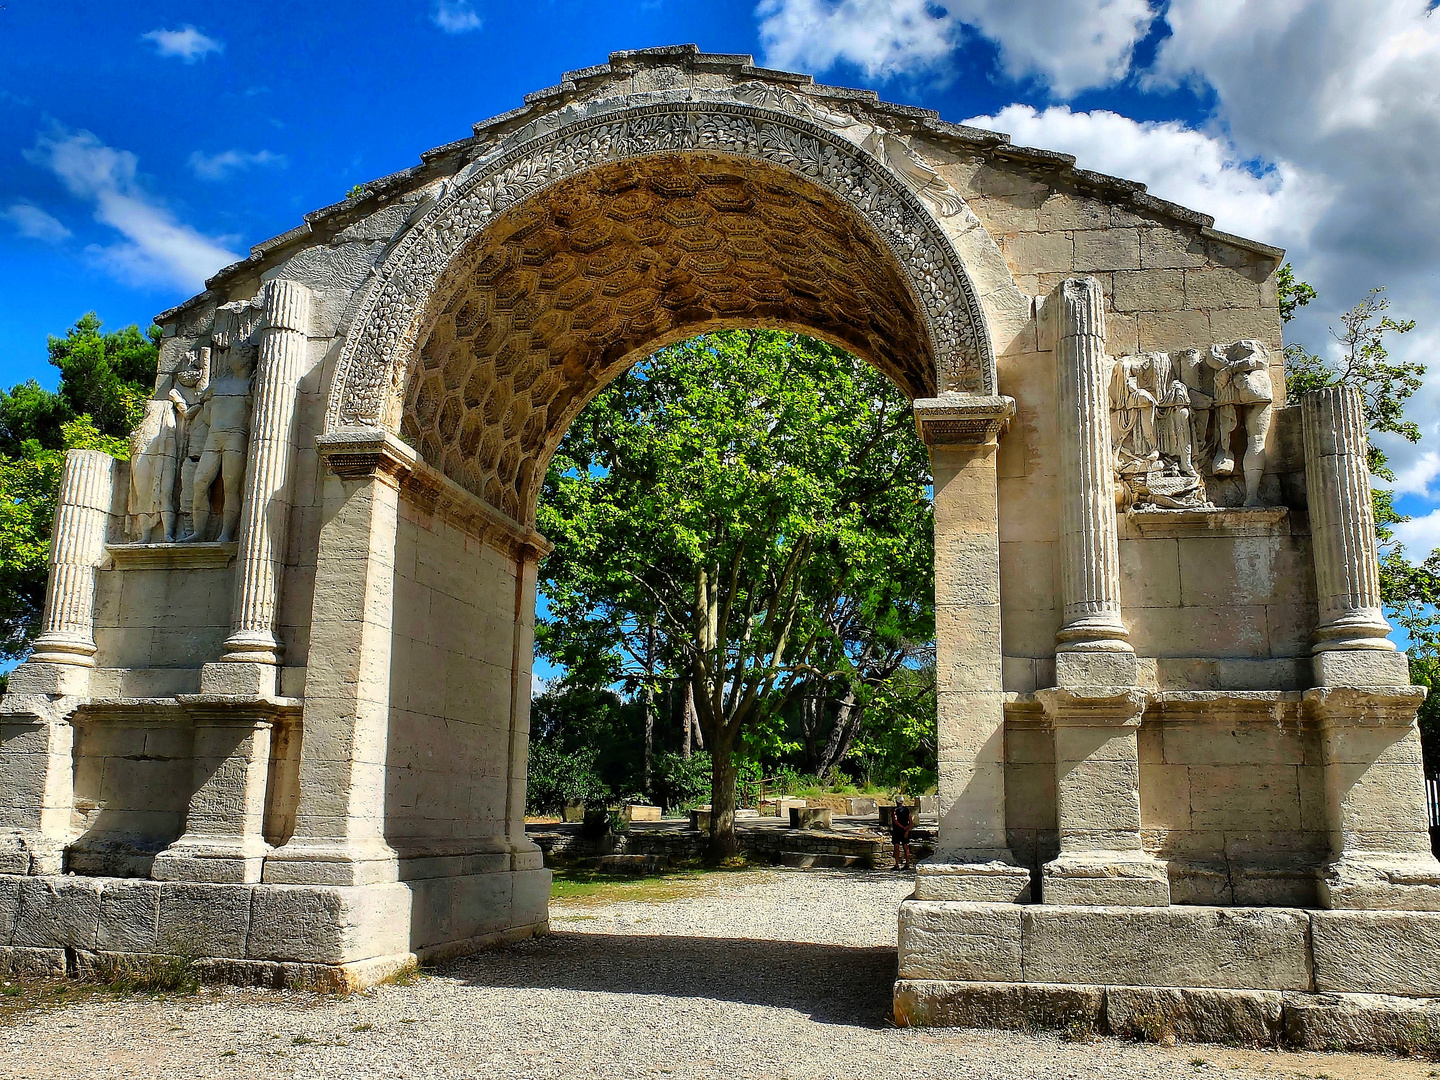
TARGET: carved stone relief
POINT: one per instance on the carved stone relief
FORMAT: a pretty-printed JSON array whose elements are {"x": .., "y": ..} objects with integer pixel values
[
  {"x": 195, "y": 435},
  {"x": 396, "y": 317},
  {"x": 1174, "y": 418}
]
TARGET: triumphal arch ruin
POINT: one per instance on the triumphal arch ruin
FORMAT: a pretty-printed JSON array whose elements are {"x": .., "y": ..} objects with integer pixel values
[{"x": 278, "y": 715}]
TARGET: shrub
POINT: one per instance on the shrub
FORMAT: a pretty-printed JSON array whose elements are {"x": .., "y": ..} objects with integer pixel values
[
  {"x": 677, "y": 781},
  {"x": 556, "y": 778}
]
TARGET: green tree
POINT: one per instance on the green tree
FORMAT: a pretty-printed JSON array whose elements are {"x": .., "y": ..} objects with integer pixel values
[
  {"x": 760, "y": 500},
  {"x": 104, "y": 381}
]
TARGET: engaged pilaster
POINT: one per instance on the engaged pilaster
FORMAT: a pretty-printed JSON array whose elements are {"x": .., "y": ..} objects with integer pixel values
[
  {"x": 1352, "y": 645},
  {"x": 973, "y": 861},
  {"x": 339, "y": 836},
  {"x": 1374, "y": 799},
  {"x": 224, "y": 823},
  {"x": 1097, "y": 795},
  {"x": 1093, "y": 646},
  {"x": 265, "y": 510}
]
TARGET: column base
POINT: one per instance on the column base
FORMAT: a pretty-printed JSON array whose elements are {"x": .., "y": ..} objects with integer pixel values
[
  {"x": 63, "y": 649},
  {"x": 1381, "y": 881},
  {"x": 1364, "y": 668},
  {"x": 1106, "y": 878},
  {"x": 222, "y": 860},
  {"x": 332, "y": 862},
  {"x": 248, "y": 679},
  {"x": 976, "y": 877}
]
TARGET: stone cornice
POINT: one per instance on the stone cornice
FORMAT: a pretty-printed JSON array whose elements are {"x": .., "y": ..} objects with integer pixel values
[{"x": 966, "y": 419}]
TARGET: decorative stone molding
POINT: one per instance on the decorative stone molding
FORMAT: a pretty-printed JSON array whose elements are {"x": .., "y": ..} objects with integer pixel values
[
  {"x": 1089, "y": 542},
  {"x": 354, "y": 453},
  {"x": 967, "y": 419},
  {"x": 207, "y": 556},
  {"x": 1211, "y": 521},
  {"x": 77, "y": 547},
  {"x": 1351, "y": 640},
  {"x": 369, "y": 378}
]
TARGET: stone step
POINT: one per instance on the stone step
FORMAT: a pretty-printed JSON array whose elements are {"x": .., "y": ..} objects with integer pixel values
[{"x": 812, "y": 860}]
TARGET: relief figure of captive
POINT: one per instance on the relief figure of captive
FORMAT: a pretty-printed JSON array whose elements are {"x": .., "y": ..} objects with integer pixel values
[{"x": 224, "y": 410}]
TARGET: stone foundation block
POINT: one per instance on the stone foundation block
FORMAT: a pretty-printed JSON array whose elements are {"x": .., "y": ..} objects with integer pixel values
[
  {"x": 1362, "y": 1022},
  {"x": 960, "y": 942},
  {"x": 9, "y": 908},
  {"x": 1010, "y": 1006},
  {"x": 1224, "y": 948},
  {"x": 1193, "y": 1014},
  {"x": 315, "y": 924},
  {"x": 21, "y": 963},
  {"x": 54, "y": 913},
  {"x": 129, "y": 916},
  {"x": 203, "y": 919},
  {"x": 1377, "y": 952}
]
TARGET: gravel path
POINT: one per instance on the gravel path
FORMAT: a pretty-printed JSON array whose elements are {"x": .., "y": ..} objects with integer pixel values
[{"x": 767, "y": 974}]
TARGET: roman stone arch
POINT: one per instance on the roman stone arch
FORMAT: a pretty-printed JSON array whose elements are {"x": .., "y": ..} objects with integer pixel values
[
  {"x": 1176, "y": 745},
  {"x": 757, "y": 159}
]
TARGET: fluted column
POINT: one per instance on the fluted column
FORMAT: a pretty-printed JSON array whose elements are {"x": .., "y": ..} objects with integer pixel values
[
  {"x": 1352, "y": 645},
  {"x": 265, "y": 511},
  {"x": 1090, "y": 555},
  {"x": 76, "y": 548}
]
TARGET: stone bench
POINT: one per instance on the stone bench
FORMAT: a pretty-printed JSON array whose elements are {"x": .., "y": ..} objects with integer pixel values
[
  {"x": 863, "y": 806},
  {"x": 632, "y": 864},
  {"x": 640, "y": 812}
]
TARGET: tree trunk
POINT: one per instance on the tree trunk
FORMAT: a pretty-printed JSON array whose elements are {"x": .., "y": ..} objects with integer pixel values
[
  {"x": 649, "y": 700},
  {"x": 842, "y": 735},
  {"x": 687, "y": 718},
  {"x": 722, "y": 800}
]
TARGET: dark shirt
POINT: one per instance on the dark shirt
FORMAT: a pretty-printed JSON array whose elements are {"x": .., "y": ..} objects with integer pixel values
[{"x": 902, "y": 821}]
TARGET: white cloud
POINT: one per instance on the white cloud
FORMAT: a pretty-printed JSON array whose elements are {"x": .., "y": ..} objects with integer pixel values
[
  {"x": 882, "y": 37},
  {"x": 1068, "y": 45},
  {"x": 34, "y": 223},
  {"x": 156, "y": 249},
  {"x": 218, "y": 166},
  {"x": 455, "y": 16},
  {"x": 1420, "y": 535},
  {"x": 187, "y": 43}
]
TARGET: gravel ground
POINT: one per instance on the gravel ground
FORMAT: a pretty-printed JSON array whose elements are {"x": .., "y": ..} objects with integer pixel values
[{"x": 764, "y": 974}]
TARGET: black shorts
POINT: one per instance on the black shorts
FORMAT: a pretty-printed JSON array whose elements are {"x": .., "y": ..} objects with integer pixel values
[{"x": 899, "y": 836}]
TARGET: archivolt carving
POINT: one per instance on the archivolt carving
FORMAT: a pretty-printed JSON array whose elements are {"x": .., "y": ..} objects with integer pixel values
[{"x": 370, "y": 375}]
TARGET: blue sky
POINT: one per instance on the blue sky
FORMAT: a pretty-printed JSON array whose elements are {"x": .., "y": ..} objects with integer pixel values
[{"x": 144, "y": 144}]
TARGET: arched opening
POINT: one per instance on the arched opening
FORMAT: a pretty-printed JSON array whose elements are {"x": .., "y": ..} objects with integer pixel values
[{"x": 568, "y": 289}]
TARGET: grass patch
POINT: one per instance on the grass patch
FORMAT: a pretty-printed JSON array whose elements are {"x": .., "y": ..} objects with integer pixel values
[{"x": 582, "y": 885}]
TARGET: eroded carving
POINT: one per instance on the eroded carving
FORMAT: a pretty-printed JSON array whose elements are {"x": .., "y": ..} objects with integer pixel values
[
  {"x": 1173, "y": 417},
  {"x": 370, "y": 379}
]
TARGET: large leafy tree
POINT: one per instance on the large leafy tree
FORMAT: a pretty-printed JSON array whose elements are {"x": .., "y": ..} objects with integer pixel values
[
  {"x": 104, "y": 380},
  {"x": 749, "y": 510}
]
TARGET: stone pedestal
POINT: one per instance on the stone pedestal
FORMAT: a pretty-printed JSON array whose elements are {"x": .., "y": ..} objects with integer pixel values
[
  {"x": 1097, "y": 789},
  {"x": 973, "y": 860},
  {"x": 1352, "y": 645},
  {"x": 37, "y": 784},
  {"x": 223, "y": 839},
  {"x": 339, "y": 824},
  {"x": 1374, "y": 800}
]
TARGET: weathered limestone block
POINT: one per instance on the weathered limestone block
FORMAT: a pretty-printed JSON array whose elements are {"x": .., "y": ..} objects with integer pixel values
[
  {"x": 58, "y": 912},
  {"x": 129, "y": 916},
  {"x": 1362, "y": 1022},
  {"x": 1377, "y": 952},
  {"x": 9, "y": 907},
  {"x": 328, "y": 925},
  {"x": 1194, "y": 1014},
  {"x": 23, "y": 963},
  {"x": 1007, "y": 1006},
  {"x": 1249, "y": 949},
  {"x": 37, "y": 784},
  {"x": 970, "y": 942},
  {"x": 204, "y": 919}
]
